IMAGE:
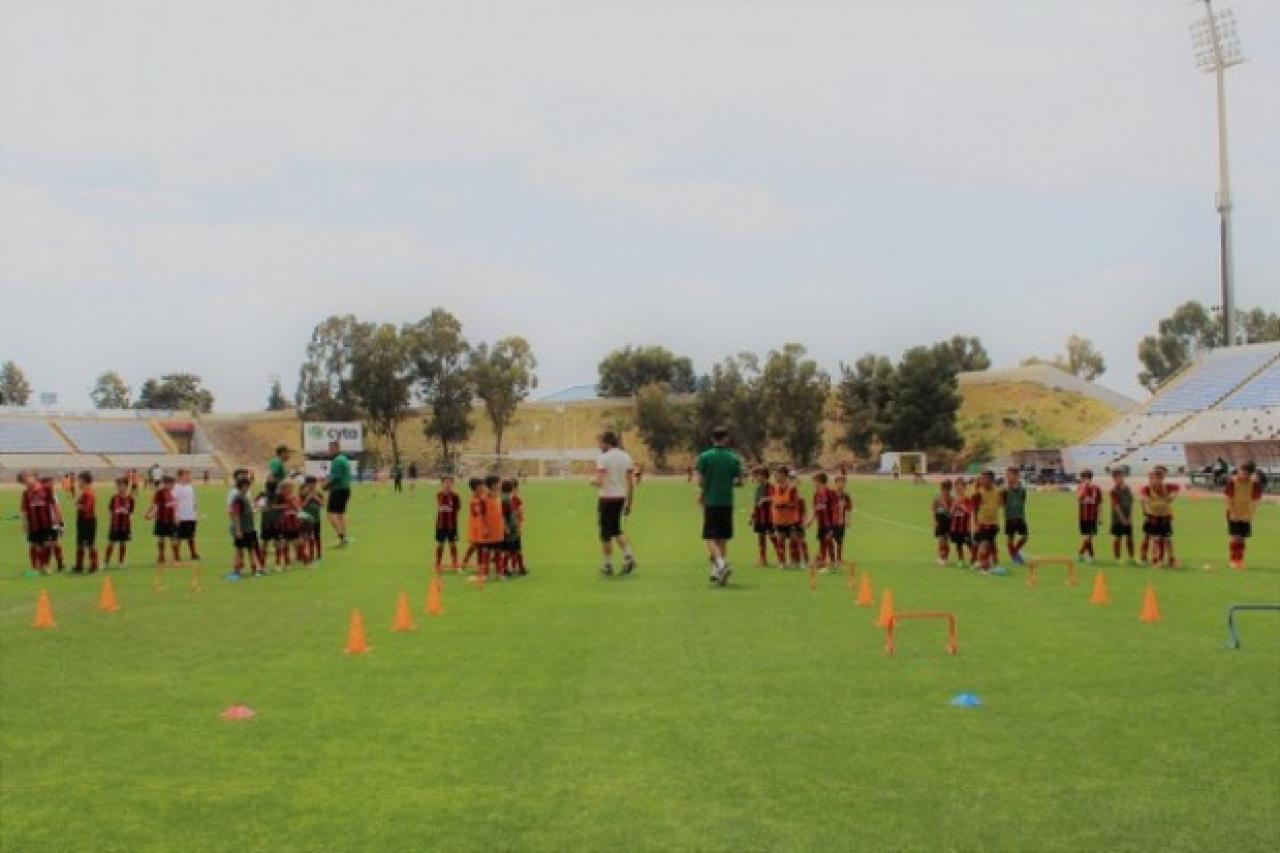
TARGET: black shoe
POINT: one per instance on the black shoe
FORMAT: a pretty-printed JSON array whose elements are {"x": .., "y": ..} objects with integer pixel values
[
  {"x": 628, "y": 565},
  {"x": 607, "y": 571},
  {"x": 724, "y": 575}
]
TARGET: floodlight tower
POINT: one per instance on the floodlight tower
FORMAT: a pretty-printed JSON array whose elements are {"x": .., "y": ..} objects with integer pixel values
[{"x": 1217, "y": 48}]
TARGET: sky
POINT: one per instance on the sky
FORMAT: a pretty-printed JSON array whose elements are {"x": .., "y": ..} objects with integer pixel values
[{"x": 194, "y": 186}]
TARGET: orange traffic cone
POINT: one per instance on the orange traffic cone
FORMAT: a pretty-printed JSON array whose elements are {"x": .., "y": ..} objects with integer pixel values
[
  {"x": 356, "y": 644},
  {"x": 1150, "y": 607},
  {"x": 403, "y": 620},
  {"x": 107, "y": 599},
  {"x": 434, "y": 606},
  {"x": 44, "y": 612},
  {"x": 1100, "y": 594},
  {"x": 886, "y": 608},
  {"x": 864, "y": 592}
]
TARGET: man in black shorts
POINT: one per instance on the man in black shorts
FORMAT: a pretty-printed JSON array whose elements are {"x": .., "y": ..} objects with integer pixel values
[
  {"x": 339, "y": 488},
  {"x": 615, "y": 479},
  {"x": 719, "y": 472}
]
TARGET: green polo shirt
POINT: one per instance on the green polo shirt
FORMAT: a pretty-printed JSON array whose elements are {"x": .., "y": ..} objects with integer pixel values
[
  {"x": 720, "y": 469},
  {"x": 339, "y": 473},
  {"x": 275, "y": 468}
]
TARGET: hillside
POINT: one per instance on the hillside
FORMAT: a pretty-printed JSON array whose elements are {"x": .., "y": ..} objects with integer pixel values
[{"x": 1022, "y": 415}]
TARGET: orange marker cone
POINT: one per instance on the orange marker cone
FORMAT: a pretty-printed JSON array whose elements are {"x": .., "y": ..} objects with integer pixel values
[
  {"x": 356, "y": 644},
  {"x": 434, "y": 605},
  {"x": 1100, "y": 594},
  {"x": 107, "y": 599},
  {"x": 886, "y": 608},
  {"x": 403, "y": 620},
  {"x": 1150, "y": 607},
  {"x": 44, "y": 612},
  {"x": 864, "y": 592}
]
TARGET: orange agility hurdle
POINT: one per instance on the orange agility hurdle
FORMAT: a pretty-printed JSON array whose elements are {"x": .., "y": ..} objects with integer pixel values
[
  {"x": 1032, "y": 565},
  {"x": 953, "y": 642},
  {"x": 193, "y": 585}
]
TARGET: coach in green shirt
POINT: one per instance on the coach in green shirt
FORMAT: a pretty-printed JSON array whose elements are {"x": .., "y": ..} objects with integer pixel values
[
  {"x": 275, "y": 468},
  {"x": 719, "y": 472},
  {"x": 339, "y": 488}
]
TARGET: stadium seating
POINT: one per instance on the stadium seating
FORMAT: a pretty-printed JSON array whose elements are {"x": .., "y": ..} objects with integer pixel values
[
  {"x": 1262, "y": 390},
  {"x": 1217, "y": 375},
  {"x": 29, "y": 436},
  {"x": 1138, "y": 428},
  {"x": 1096, "y": 456},
  {"x": 112, "y": 436},
  {"x": 170, "y": 462},
  {"x": 47, "y": 463}
]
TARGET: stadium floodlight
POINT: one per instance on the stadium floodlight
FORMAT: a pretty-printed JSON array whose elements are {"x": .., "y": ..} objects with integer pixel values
[{"x": 1217, "y": 47}]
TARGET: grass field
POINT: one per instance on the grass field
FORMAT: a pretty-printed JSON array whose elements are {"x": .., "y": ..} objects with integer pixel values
[{"x": 567, "y": 711}]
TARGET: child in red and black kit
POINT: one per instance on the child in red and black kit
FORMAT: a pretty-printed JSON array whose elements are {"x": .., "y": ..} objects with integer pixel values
[
  {"x": 290, "y": 524},
  {"x": 962, "y": 523},
  {"x": 448, "y": 508},
  {"x": 841, "y": 507},
  {"x": 37, "y": 522},
  {"x": 164, "y": 510},
  {"x": 120, "y": 523},
  {"x": 1089, "y": 500},
  {"x": 941, "y": 512},
  {"x": 822, "y": 504},
  {"x": 517, "y": 508},
  {"x": 86, "y": 524}
]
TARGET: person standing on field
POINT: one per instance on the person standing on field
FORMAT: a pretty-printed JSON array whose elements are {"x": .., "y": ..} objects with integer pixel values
[
  {"x": 276, "y": 466},
  {"x": 615, "y": 478},
  {"x": 719, "y": 472},
  {"x": 338, "y": 486}
]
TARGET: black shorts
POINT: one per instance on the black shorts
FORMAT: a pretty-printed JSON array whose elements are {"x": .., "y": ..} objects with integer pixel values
[
  {"x": 763, "y": 528},
  {"x": 717, "y": 523},
  {"x": 270, "y": 534},
  {"x": 186, "y": 530},
  {"x": 941, "y": 527},
  {"x": 837, "y": 533},
  {"x": 512, "y": 546},
  {"x": 1161, "y": 527},
  {"x": 449, "y": 534},
  {"x": 1239, "y": 529},
  {"x": 986, "y": 533},
  {"x": 1089, "y": 528},
  {"x": 120, "y": 536},
  {"x": 609, "y": 516},
  {"x": 1121, "y": 530},
  {"x": 164, "y": 529},
  {"x": 87, "y": 532},
  {"x": 825, "y": 533},
  {"x": 786, "y": 531},
  {"x": 41, "y": 537},
  {"x": 1016, "y": 527},
  {"x": 337, "y": 504},
  {"x": 290, "y": 535},
  {"x": 963, "y": 538},
  {"x": 247, "y": 542}
]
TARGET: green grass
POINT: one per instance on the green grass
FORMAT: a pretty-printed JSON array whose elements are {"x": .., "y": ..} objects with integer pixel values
[{"x": 566, "y": 711}]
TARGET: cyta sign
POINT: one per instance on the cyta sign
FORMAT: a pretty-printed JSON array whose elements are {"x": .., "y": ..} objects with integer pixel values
[{"x": 316, "y": 437}]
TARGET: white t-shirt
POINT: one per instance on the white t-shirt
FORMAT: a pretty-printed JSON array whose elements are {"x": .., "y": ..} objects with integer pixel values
[
  {"x": 185, "y": 496},
  {"x": 614, "y": 464}
]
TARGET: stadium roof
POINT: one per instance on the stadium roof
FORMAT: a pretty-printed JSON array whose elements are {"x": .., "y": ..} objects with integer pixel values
[{"x": 574, "y": 394}]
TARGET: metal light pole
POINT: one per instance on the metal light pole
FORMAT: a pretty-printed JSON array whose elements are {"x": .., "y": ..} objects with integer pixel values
[{"x": 1217, "y": 48}]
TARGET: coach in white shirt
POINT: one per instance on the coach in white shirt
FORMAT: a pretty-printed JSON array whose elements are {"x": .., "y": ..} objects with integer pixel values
[{"x": 616, "y": 480}]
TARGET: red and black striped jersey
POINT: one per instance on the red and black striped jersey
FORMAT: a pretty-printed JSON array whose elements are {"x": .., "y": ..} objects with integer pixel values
[
  {"x": 37, "y": 508},
  {"x": 87, "y": 504},
  {"x": 841, "y": 506},
  {"x": 1089, "y": 499},
  {"x": 961, "y": 519},
  {"x": 165, "y": 505},
  {"x": 447, "y": 508},
  {"x": 121, "y": 508}
]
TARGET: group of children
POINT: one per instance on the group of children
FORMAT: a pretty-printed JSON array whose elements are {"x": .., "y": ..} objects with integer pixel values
[
  {"x": 967, "y": 517},
  {"x": 494, "y": 527},
  {"x": 780, "y": 517},
  {"x": 284, "y": 518},
  {"x": 173, "y": 510}
]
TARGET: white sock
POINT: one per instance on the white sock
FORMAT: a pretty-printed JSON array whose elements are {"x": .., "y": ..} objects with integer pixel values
[
  {"x": 626, "y": 552},
  {"x": 720, "y": 563}
]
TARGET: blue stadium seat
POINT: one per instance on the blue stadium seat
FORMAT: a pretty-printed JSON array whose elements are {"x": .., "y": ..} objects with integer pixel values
[
  {"x": 1263, "y": 390},
  {"x": 112, "y": 436},
  {"x": 1220, "y": 372},
  {"x": 29, "y": 436}
]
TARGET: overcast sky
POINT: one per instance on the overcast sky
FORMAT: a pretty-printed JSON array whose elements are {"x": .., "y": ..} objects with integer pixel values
[{"x": 193, "y": 186}]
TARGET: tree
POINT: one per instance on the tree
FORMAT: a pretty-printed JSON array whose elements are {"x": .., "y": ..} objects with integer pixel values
[
  {"x": 110, "y": 392},
  {"x": 794, "y": 393},
  {"x": 967, "y": 354},
  {"x": 625, "y": 371},
  {"x": 863, "y": 398},
  {"x": 276, "y": 400},
  {"x": 1190, "y": 328},
  {"x": 175, "y": 391},
  {"x": 438, "y": 352},
  {"x": 925, "y": 399},
  {"x": 1081, "y": 359},
  {"x": 14, "y": 388},
  {"x": 503, "y": 375},
  {"x": 731, "y": 395},
  {"x": 324, "y": 381},
  {"x": 1260, "y": 326},
  {"x": 382, "y": 380},
  {"x": 663, "y": 425}
]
